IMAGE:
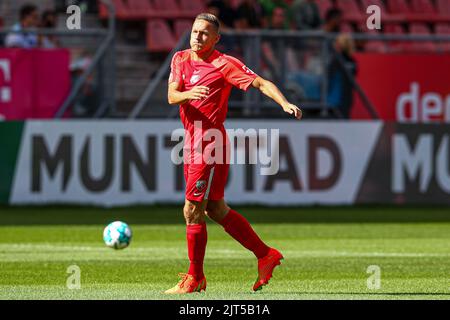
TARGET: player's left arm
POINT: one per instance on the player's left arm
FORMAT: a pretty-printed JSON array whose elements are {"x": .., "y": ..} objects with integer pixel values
[{"x": 271, "y": 90}]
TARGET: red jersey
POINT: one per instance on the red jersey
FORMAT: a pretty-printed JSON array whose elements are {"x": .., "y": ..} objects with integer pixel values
[{"x": 219, "y": 73}]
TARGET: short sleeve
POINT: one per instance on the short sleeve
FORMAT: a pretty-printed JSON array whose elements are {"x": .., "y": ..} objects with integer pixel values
[
  {"x": 175, "y": 69},
  {"x": 238, "y": 74}
]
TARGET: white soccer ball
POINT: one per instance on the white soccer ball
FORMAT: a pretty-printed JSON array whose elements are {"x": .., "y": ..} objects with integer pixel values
[{"x": 117, "y": 235}]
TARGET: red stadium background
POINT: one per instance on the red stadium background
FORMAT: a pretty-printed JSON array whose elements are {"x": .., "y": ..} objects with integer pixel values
[{"x": 405, "y": 87}]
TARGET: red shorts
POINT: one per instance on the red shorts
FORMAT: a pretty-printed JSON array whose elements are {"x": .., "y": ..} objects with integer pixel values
[
  {"x": 207, "y": 177},
  {"x": 205, "y": 181}
]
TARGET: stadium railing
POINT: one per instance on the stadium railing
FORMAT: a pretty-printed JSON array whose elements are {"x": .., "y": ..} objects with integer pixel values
[
  {"x": 315, "y": 44},
  {"x": 102, "y": 64},
  {"x": 104, "y": 60}
]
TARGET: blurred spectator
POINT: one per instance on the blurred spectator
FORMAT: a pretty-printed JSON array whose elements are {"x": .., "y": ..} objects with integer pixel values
[
  {"x": 340, "y": 93},
  {"x": 306, "y": 15},
  {"x": 278, "y": 19},
  {"x": 227, "y": 17},
  {"x": 250, "y": 15},
  {"x": 273, "y": 61},
  {"x": 224, "y": 11},
  {"x": 88, "y": 100},
  {"x": 49, "y": 22},
  {"x": 29, "y": 19},
  {"x": 333, "y": 19},
  {"x": 268, "y": 7},
  {"x": 2, "y": 38}
]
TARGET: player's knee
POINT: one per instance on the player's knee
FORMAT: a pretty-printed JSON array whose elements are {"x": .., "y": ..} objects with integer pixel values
[
  {"x": 189, "y": 212},
  {"x": 193, "y": 213},
  {"x": 217, "y": 213}
]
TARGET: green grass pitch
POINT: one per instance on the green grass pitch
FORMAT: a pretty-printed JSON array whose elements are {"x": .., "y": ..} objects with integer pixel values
[{"x": 327, "y": 252}]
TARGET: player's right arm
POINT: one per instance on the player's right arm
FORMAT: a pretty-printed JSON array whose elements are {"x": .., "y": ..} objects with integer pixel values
[
  {"x": 175, "y": 96},
  {"x": 175, "y": 92}
]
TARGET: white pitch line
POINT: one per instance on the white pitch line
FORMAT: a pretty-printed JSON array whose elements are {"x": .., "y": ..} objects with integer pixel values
[{"x": 49, "y": 249}]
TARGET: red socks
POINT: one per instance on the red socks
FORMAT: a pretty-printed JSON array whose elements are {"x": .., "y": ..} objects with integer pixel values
[
  {"x": 239, "y": 228},
  {"x": 236, "y": 226},
  {"x": 196, "y": 236}
]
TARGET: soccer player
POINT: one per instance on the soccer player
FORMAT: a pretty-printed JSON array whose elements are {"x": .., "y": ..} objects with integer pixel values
[{"x": 200, "y": 82}]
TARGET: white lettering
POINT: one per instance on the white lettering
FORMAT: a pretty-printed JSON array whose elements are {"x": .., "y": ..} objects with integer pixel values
[
  {"x": 374, "y": 20},
  {"x": 73, "y": 22},
  {"x": 412, "y": 107},
  {"x": 417, "y": 162}
]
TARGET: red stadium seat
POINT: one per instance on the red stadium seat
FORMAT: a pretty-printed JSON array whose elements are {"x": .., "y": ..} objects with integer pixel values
[
  {"x": 372, "y": 45},
  {"x": 171, "y": 9},
  {"x": 102, "y": 11},
  {"x": 351, "y": 10},
  {"x": 375, "y": 46},
  {"x": 139, "y": 9},
  {"x": 443, "y": 7},
  {"x": 418, "y": 46},
  {"x": 159, "y": 36},
  {"x": 148, "y": 9},
  {"x": 367, "y": 3},
  {"x": 444, "y": 47},
  {"x": 443, "y": 29},
  {"x": 181, "y": 26},
  {"x": 165, "y": 5},
  {"x": 121, "y": 9},
  {"x": 385, "y": 16},
  {"x": 419, "y": 11},
  {"x": 421, "y": 29},
  {"x": 394, "y": 29},
  {"x": 423, "y": 6},
  {"x": 424, "y": 11},
  {"x": 347, "y": 28},
  {"x": 324, "y": 6},
  {"x": 140, "y": 5},
  {"x": 193, "y": 6},
  {"x": 398, "y": 6}
]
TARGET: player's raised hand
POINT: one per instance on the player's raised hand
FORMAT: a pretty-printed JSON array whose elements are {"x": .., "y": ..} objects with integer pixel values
[
  {"x": 197, "y": 93},
  {"x": 294, "y": 110}
]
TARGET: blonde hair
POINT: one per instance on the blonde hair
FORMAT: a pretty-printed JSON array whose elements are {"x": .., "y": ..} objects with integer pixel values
[
  {"x": 345, "y": 42},
  {"x": 210, "y": 18}
]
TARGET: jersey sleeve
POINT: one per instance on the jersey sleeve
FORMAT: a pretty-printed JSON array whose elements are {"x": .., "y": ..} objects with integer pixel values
[
  {"x": 175, "y": 69},
  {"x": 238, "y": 74}
]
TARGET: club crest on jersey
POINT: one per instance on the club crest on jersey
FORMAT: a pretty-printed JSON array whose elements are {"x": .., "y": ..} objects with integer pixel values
[
  {"x": 200, "y": 185},
  {"x": 195, "y": 78},
  {"x": 247, "y": 70}
]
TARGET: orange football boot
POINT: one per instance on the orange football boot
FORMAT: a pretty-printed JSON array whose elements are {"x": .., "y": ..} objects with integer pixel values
[
  {"x": 187, "y": 284},
  {"x": 265, "y": 268}
]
